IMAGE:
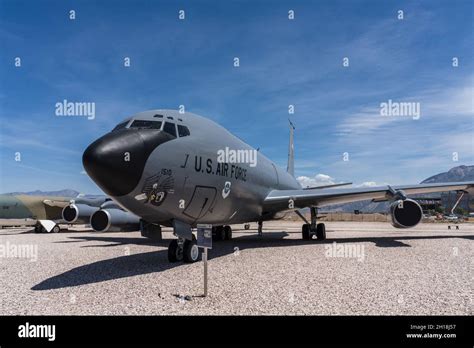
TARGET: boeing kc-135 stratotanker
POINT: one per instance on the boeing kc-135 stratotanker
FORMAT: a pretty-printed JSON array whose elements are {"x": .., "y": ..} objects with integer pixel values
[{"x": 164, "y": 166}]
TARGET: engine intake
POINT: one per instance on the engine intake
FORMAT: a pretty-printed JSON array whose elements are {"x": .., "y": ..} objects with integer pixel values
[
  {"x": 114, "y": 220},
  {"x": 78, "y": 213},
  {"x": 406, "y": 213}
]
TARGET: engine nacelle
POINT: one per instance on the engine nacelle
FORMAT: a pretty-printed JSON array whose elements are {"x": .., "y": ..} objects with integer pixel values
[
  {"x": 114, "y": 220},
  {"x": 405, "y": 213},
  {"x": 78, "y": 213}
]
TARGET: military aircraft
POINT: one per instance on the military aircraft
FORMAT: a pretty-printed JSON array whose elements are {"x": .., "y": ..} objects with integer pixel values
[
  {"x": 46, "y": 212},
  {"x": 167, "y": 167},
  {"x": 43, "y": 210}
]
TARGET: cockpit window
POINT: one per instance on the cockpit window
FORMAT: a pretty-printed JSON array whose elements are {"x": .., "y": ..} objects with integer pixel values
[
  {"x": 183, "y": 131},
  {"x": 144, "y": 124},
  {"x": 120, "y": 126},
  {"x": 170, "y": 128}
]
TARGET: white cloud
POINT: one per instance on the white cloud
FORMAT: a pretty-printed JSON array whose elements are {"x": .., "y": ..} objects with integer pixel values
[
  {"x": 323, "y": 179},
  {"x": 439, "y": 105},
  {"x": 368, "y": 184},
  {"x": 317, "y": 180}
]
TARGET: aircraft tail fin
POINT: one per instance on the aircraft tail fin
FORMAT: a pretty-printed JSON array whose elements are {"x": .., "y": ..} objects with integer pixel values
[{"x": 291, "y": 152}]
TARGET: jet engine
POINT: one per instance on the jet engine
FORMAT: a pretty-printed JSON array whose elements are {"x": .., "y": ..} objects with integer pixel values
[
  {"x": 114, "y": 220},
  {"x": 78, "y": 213},
  {"x": 405, "y": 213}
]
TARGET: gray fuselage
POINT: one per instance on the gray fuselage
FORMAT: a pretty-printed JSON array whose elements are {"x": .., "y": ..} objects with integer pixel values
[{"x": 182, "y": 178}]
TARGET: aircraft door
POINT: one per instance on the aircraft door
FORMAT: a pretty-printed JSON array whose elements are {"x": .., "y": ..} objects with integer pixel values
[{"x": 202, "y": 201}]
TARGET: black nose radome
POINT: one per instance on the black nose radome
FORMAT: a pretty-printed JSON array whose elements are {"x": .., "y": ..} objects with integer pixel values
[{"x": 117, "y": 160}]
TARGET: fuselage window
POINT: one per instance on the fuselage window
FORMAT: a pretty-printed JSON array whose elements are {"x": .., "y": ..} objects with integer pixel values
[
  {"x": 120, "y": 126},
  {"x": 144, "y": 124},
  {"x": 170, "y": 128},
  {"x": 183, "y": 131}
]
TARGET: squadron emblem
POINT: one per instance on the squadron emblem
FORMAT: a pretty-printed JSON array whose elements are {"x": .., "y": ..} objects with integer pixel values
[
  {"x": 226, "y": 189},
  {"x": 157, "y": 187}
]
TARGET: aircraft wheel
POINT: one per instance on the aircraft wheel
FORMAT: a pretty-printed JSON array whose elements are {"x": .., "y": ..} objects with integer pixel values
[
  {"x": 56, "y": 229},
  {"x": 191, "y": 251},
  {"x": 175, "y": 252},
  {"x": 321, "y": 231},
  {"x": 228, "y": 232},
  {"x": 306, "y": 231},
  {"x": 247, "y": 226}
]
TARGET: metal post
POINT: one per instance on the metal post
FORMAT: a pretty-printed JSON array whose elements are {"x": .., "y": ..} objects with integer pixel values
[{"x": 205, "y": 271}]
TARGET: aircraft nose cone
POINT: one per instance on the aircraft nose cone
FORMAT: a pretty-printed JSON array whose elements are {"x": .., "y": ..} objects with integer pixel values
[{"x": 116, "y": 161}]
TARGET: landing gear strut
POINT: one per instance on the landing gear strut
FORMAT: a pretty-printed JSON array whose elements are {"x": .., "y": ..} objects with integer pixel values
[{"x": 310, "y": 229}]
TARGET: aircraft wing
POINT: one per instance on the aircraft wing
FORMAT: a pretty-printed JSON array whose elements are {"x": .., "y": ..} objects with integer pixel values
[
  {"x": 278, "y": 200},
  {"x": 56, "y": 202}
]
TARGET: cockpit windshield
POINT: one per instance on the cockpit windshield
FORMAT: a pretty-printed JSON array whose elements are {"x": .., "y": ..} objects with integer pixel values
[
  {"x": 169, "y": 127},
  {"x": 144, "y": 124}
]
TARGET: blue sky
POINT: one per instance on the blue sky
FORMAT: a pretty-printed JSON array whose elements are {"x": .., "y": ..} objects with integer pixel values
[{"x": 282, "y": 62}]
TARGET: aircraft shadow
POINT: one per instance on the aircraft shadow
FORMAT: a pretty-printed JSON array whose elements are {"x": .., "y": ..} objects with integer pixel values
[
  {"x": 32, "y": 231},
  {"x": 157, "y": 261}
]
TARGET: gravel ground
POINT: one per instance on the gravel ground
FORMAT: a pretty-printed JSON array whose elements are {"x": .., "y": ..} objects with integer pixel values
[{"x": 372, "y": 269}]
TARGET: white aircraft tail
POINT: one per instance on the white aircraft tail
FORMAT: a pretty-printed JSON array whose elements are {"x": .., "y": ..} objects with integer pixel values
[{"x": 291, "y": 152}]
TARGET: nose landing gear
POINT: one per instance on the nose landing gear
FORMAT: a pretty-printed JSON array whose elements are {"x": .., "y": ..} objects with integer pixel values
[
  {"x": 175, "y": 250},
  {"x": 183, "y": 250}
]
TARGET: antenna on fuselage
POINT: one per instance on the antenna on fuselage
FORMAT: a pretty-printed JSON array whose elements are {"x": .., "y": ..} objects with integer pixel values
[{"x": 291, "y": 152}]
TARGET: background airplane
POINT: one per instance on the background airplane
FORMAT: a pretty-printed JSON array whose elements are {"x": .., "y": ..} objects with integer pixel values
[
  {"x": 49, "y": 211},
  {"x": 163, "y": 166},
  {"x": 44, "y": 209}
]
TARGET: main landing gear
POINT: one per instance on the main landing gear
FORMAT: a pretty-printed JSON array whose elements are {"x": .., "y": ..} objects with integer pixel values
[{"x": 310, "y": 229}]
